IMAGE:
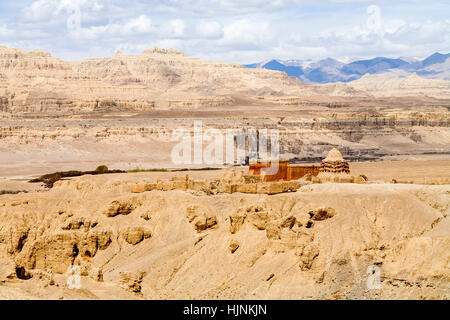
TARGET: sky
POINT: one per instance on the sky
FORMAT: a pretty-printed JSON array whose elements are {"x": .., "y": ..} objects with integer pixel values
[{"x": 242, "y": 31}]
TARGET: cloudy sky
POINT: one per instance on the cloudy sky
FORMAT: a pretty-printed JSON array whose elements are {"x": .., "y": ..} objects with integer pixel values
[{"x": 229, "y": 30}]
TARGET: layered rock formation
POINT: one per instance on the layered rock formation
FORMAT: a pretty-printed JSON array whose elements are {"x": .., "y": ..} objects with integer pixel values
[
  {"x": 316, "y": 243},
  {"x": 145, "y": 140},
  {"x": 34, "y": 81},
  {"x": 56, "y": 112},
  {"x": 413, "y": 85},
  {"x": 238, "y": 183}
]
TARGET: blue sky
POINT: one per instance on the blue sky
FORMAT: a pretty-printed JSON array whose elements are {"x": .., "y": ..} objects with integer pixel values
[{"x": 229, "y": 30}]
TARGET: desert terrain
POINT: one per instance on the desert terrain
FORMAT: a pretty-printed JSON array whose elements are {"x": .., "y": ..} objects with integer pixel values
[
  {"x": 54, "y": 112},
  {"x": 149, "y": 246},
  {"x": 315, "y": 241}
]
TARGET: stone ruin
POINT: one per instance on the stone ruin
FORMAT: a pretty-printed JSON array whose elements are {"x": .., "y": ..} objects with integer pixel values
[
  {"x": 288, "y": 178},
  {"x": 334, "y": 168},
  {"x": 334, "y": 163},
  {"x": 286, "y": 171},
  {"x": 233, "y": 180}
]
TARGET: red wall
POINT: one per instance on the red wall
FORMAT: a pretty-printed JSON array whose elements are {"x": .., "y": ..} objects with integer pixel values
[{"x": 285, "y": 171}]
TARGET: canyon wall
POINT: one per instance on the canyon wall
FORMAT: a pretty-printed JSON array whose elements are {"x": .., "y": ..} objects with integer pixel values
[
  {"x": 124, "y": 109},
  {"x": 147, "y": 142},
  {"x": 34, "y": 81}
]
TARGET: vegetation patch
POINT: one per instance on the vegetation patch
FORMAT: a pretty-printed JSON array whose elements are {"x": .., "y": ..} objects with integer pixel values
[
  {"x": 12, "y": 192},
  {"x": 50, "y": 179},
  {"x": 171, "y": 170},
  {"x": 147, "y": 170}
]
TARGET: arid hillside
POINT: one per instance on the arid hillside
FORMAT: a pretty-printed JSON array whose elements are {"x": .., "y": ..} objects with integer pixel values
[
  {"x": 318, "y": 242},
  {"x": 135, "y": 235},
  {"x": 34, "y": 81},
  {"x": 55, "y": 113},
  {"x": 413, "y": 85}
]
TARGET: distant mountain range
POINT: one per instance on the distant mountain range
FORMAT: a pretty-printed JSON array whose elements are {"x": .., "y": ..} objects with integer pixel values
[{"x": 436, "y": 66}]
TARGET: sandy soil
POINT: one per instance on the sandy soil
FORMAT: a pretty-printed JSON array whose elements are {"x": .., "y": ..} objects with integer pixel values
[
  {"x": 157, "y": 245},
  {"x": 416, "y": 171},
  {"x": 427, "y": 172},
  {"x": 321, "y": 242}
]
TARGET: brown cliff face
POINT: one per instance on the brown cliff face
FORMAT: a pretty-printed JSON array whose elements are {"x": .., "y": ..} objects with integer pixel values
[
  {"x": 57, "y": 111},
  {"x": 413, "y": 85},
  {"x": 35, "y": 81},
  {"x": 127, "y": 142}
]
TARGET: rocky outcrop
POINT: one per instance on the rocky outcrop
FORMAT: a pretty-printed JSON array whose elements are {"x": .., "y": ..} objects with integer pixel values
[
  {"x": 306, "y": 138},
  {"x": 134, "y": 235},
  {"x": 202, "y": 218},
  {"x": 246, "y": 184},
  {"x": 132, "y": 282},
  {"x": 123, "y": 207},
  {"x": 34, "y": 81},
  {"x": 412, "y": 85},
  {"x": 324, "y": 236}
]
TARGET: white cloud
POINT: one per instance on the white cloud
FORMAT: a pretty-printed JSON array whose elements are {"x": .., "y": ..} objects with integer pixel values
[
  {"x": 212, "y": 7},
  {"x": 248, "y": 34},
  {"x": 40, "y": 10},
  {"x": 231, "y": 30},
  {"x": 425, "y": 33},
  {"x": 209, "y": 30},
  {"x": 379, "y": 36},
  {"x": 136, "y": 26},
  {"x": 6, "y": 33},
  {"x": 177, "y": 27},
  {"x": 142, "y": 24},
  {"x": 257, "y": 4}
]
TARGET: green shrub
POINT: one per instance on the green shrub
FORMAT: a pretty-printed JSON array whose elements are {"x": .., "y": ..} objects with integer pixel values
[
  {"x": 137, "y": 169},
  {"x": 102, "y": 169}
]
